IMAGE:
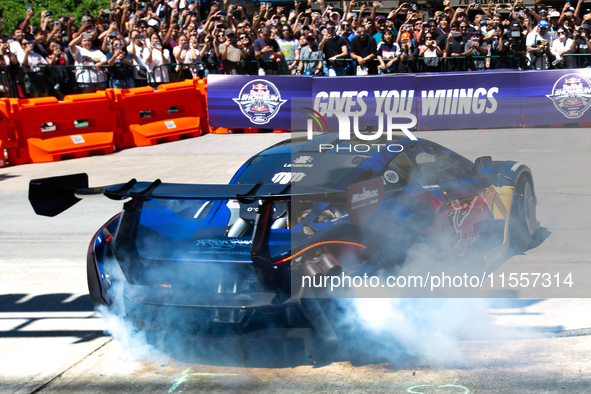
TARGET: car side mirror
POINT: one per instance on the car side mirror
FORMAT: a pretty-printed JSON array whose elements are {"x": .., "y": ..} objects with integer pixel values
[{"x": 482, "y": 162}]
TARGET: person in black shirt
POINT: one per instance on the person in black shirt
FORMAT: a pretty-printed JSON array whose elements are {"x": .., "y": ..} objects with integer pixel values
[
  {"x": 582, "y": 45},
  {"x": 268, "y": 53},
  {"x": 334, "y": 47},
  {"x": 363, "y": 51},
  {"x": 456, "y": 42},
  {"x": 437, "y": 35}
]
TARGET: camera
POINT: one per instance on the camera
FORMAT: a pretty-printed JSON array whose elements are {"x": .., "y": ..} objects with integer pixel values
[
  {"x": 476, "y": 6},
  {"x": 515, "y": 36},
  {"x": 56, "y": 23},
  {"x": 234, "y": 42}
]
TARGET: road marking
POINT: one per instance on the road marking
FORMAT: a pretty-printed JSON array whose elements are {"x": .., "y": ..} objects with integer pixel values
[
  {"x": 185, "y": 375},
  {"x": 410, "y": 389}
]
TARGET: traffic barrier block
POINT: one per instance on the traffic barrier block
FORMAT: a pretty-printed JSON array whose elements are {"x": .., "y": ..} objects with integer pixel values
[
  {"x": 174, "y": 111},
  {"x": 49, "y": 130}
]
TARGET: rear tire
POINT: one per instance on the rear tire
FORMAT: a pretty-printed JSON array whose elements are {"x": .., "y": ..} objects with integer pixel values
[{"x": 522, "y": 220}]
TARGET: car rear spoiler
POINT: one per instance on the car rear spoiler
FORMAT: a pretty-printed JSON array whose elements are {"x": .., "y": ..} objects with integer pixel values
[{"x": 52, "y": 196}]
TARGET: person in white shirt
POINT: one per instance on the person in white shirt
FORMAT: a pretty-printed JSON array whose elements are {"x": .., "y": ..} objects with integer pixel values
[
  {"x": 561, "y": 45},
  {"x": 90, "y": 79},
  {"x": 34, "y": 77},
  {"x": 192, "y": 55},
  {"x": 15, "y": 46},
  {"x": 135, "y": 49},
  {"x": 157, "y": 59},
  {"x": 538, "y": 44}
]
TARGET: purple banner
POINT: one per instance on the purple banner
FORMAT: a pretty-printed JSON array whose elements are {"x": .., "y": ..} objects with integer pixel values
[
  {"x": 488, "y": 99},
  {"x": 236, "y": 101},
  {"x": 556, "y": 96},
  {"x": 468, "y": 100}
]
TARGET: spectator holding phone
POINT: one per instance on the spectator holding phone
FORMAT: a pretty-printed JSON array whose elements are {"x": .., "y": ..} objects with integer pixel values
[
  {"x": 233, "y": 54},
  {"x": 120, "y": 62},
  {"x": 561, "y": 45},
  {"x": 157, "y": 59},
  {"x": 538, "y": 46},
  {"x": 59, "y": 77},
  {"x": 34, "y": 77},
  {"x": 478, "y": 52},
  {"x": 455, "y": 48},
  {"x": 89, "y": 75},
  {"x": 267, "y": 52},
  {"x": 135, "y": 49},
  {"x": 210, "y": 53},
  {"x": 431, "y": 53},
  {"x": 582, "y": 45}
]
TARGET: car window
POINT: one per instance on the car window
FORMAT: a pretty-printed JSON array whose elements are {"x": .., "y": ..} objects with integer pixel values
[{"x": 426, "y": 164}]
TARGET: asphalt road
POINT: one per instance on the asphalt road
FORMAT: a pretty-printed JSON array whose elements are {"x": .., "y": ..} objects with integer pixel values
[{"x": 51, "y": 340}]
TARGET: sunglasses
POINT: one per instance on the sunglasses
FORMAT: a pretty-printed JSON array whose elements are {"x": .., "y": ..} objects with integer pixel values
[
  {"x": 116, "y": 45},
  {"x": 330, "y": 28},
  {"x": 345, "y": 25}
]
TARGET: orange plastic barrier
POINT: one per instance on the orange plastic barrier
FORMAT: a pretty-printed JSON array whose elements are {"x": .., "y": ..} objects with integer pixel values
[
  {"x": 174, "y": 111},
  {"x": 46, "y": 129}
]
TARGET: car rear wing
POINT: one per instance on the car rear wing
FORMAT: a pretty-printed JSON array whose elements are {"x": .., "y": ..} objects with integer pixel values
[{"x": 52, "y": 196}]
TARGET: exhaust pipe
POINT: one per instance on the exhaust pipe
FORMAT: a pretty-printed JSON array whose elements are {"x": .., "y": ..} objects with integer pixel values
[{"x": 325, "y": 265}]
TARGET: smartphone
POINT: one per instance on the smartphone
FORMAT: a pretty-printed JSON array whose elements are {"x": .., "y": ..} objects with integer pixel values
[
  {"x": 223, "y": 13},
  {"x": 56, "y": 23},
  {"x": 29, "y": 8}
]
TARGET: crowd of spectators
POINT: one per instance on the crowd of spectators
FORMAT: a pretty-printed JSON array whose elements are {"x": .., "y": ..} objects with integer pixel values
[{"x": 136, "y": 43}]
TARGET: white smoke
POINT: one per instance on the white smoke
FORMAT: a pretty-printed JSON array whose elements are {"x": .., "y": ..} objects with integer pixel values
[{"x": 427, "y": 330}]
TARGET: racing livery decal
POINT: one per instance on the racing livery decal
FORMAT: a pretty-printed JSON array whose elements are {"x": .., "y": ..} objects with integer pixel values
[
  {"x": 259, "y": 101},
  {"x": 571, "y": 95}
]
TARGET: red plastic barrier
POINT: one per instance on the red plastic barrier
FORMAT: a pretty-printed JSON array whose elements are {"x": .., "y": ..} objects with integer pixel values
[
  {"x": 174, "y": 111},
  {"x": 49, "y": 130}
]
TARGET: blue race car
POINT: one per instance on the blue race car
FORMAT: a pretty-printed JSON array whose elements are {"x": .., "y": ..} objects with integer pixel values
[{"x": 224, "y": 256}]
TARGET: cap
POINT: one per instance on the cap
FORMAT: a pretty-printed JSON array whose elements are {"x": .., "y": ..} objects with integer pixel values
[
  {"x": 555, "y": 14},
  {"x": 310, "y": 34},
  {"x": 446, "y": 9},
  {"x": 477, "y": 32},
  {"x": 229, "y": 32},
  {"x": 334, "y": 13},
  {"x": 153, "y": 23},
  {"x": 405, "y": 36},
  {"x": 380, "y": 17},
  {"x": 585, "y": 26},
  {"x": 543, "y": 23}
]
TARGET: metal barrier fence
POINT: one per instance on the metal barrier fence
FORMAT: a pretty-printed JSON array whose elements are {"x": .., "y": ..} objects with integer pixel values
[{"x": 58, "y": 81}]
